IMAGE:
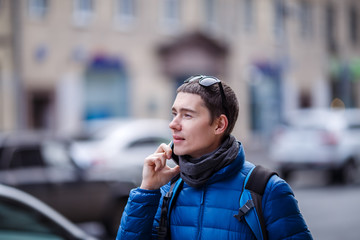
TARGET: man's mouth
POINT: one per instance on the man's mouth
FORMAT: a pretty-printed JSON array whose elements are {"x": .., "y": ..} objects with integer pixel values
[{"x": 178, "y": 138}]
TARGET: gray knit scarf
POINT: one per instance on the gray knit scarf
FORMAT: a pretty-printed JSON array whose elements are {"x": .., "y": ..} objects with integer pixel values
[{"x": 196, "y": 171}]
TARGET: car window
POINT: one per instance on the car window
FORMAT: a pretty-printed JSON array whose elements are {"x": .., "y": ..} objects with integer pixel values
[
  {"x": 55, "y": 154},
  {"x": 355, "y": 126},
  {"x": 18, "y": 221},
  {"x": 26, "y": 157},
  {"x": 149, "y": 141}
]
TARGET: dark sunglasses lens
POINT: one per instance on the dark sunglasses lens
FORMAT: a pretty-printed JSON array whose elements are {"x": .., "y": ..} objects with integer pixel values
[{"x": 208, "y": 81}]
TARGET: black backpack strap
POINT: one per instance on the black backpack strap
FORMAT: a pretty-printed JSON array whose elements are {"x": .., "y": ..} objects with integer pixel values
[
  {"x": 163, "y": 223},
  {"x": 257, "y": 184}
]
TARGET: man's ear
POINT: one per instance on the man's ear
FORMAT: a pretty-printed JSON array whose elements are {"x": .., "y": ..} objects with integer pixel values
[{"x": 221, "y": 124}]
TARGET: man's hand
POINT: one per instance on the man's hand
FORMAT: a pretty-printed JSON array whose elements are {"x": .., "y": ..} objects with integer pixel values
[{"x": 156, "y": 173}]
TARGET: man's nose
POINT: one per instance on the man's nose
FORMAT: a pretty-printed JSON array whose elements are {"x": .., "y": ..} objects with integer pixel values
[{"x": 174, "y": 124}]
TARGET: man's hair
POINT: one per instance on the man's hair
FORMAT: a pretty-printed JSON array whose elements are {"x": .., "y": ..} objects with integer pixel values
[{"x": 212, "y": 97}]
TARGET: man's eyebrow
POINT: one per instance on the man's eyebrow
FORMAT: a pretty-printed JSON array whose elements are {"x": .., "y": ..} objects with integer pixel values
[{"x": 184, "y": 110}]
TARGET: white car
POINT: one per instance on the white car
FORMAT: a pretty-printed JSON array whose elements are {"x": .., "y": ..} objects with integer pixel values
[
  {"x": 319, "y": 139},
  {"x": 121, "y": 143}
]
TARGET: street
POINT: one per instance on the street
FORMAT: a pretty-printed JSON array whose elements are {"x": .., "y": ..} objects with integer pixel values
[{"x": 332, "y": 213}]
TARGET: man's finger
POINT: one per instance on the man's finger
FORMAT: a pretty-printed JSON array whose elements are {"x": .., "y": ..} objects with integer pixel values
[{"x": 164, "y": 148}]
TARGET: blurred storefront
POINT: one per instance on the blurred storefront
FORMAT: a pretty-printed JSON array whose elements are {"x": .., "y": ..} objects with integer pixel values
[{"x": 106, "y": 89}]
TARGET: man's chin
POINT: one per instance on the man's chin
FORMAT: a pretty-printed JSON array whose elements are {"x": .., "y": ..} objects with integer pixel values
[{"x": 180, "y": 151}]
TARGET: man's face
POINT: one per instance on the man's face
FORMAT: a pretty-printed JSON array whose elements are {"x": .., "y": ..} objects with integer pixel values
[{"x": 193, "y": 132}]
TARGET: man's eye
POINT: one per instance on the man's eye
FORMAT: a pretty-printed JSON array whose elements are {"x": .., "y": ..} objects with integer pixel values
[{"x": 187, "y": 115}]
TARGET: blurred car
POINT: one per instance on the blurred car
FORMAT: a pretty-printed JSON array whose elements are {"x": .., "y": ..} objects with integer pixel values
[
  {"x": 120, "y": 142},
  {"x": 24, "y": 217},
  {"x": 319, "y": 139},
  {"x": 39, "y": 164}
]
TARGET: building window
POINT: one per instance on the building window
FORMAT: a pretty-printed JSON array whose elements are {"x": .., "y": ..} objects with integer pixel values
[
  {"x": 210, "y": 13},
  {"x": 171, "y": 14},
  {"x": 305, "y": 19},
  {"x": 83, "y": 12},
  {"x": 249, "y": 14},
  {"x": 279, "y": 18},
  {"x": 330, "y": 26},
  {"x": 353, "y": 24},
  {"x": 38, "y": 8},
  {"x": 124, "y": 12}
]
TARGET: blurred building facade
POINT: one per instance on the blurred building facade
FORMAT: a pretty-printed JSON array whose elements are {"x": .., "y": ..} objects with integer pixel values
[{"x": 65, "y": 62}]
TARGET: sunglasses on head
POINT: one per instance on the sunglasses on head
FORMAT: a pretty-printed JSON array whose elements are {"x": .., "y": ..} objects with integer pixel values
[{"x": 207, "y": 81}]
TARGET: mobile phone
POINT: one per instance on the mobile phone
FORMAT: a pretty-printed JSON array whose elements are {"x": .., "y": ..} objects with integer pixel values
[{"x": 173, "y": 155}]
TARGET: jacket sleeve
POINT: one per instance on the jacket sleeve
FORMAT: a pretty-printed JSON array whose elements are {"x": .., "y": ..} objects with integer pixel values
[
  {"x": 138, "y": 216},
  {"x": 281, "y": 212}
]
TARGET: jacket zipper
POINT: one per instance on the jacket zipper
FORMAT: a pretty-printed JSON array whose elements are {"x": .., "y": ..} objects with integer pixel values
[{"x": 201, "y": 213}]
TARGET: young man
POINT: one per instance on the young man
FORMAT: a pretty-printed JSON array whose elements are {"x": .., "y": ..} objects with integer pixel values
[{"x": 213, "y": 168}]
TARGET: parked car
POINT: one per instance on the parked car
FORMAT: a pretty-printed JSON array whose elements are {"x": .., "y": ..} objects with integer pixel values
[
  {"x": 120, "y": 142},
  {"x": 39, "y": 164},
  {"x": 24, "y": 217},
  {"x": 319, "y": 139}
]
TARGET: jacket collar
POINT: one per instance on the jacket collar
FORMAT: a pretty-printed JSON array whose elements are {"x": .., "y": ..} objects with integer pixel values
[{"x": 231, "y": 169}]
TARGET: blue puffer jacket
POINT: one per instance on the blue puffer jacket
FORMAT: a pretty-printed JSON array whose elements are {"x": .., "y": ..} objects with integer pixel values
[{"x": 208, "y": 212}]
